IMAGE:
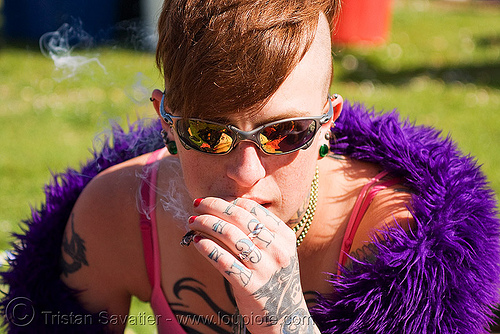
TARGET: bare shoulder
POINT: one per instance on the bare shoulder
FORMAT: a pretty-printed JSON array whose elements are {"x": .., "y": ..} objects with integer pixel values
[
  {"x": 389, "y": 207},
  {"x": 102, "y": 250}
]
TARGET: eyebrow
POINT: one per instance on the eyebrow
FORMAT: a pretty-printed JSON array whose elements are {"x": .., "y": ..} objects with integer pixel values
[{"x": 283, "y": 116}]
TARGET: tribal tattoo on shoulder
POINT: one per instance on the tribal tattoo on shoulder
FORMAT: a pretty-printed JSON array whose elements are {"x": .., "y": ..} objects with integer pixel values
[
  {"x": 75, "y": 249},
  {"x": 366, "y": 253}
]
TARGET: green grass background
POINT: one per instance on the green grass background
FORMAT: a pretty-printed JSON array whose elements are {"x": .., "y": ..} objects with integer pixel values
[{"x": 440, "y": 67}]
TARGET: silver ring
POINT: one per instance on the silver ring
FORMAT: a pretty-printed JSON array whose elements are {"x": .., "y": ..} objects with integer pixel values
[
  {"x": 246, "y": 253},
  {"x": 258, "y": 228}
]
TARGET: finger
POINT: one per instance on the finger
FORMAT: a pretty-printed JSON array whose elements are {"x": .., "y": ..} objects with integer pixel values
[
  {"x": 273, "y": 225},
  {"x": 261, "y": 235},
  {"x": 235, "y": 214},
  {"x": 233, "y": 269},
  {"x": 258, "y": 211},
  {"x": 228, "y": 236},
  {"x": 265, "y": 236}
]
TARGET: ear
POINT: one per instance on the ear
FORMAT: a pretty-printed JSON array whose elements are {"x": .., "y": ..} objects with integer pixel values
[
  {"x": 156, "y": 99},
  {"x": 337, "y": 102}
]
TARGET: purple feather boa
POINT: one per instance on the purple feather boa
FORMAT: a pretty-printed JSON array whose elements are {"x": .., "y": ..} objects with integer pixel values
[
  {"x": 441, "y": 278},
  {"x": 444, "y": 276}
]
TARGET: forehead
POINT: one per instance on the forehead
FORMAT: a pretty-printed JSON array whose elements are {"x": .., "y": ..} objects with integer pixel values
[{"x": 305, "y": 90}]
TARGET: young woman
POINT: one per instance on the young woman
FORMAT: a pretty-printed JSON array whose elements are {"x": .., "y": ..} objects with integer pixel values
[{"x": 247, "y": 221}]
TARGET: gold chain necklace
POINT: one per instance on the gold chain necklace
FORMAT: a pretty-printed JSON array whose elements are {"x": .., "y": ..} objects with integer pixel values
[{"x": 311, "y": 210}]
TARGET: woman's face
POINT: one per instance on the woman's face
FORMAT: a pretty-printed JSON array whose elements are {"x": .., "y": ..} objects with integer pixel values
[{"x": 279, "y": 182}]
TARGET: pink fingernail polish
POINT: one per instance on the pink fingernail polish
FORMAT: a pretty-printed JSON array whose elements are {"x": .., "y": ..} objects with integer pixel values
[
  {"x": 197, "y": 202},
  {"x": 191, "y": 219},
  {"x": 197, "y": 239}
]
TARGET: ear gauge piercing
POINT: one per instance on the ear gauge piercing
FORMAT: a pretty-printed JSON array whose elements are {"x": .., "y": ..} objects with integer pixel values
[
  {"x": 172, "y": 147},
  {"x": 323, "y": 150},
  {"x": 170, "y": 144}
]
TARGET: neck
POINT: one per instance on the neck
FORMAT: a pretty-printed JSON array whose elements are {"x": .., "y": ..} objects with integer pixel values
[
  {"x": 301, "y": 211},
  {"x": 307, "y": 217}
]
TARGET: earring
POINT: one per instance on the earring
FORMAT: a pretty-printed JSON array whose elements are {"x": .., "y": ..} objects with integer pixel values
[
  {"x": 328, "y": 135},
  {"x": 170, "y": 144},
  {"x": 323, "y": 150}
]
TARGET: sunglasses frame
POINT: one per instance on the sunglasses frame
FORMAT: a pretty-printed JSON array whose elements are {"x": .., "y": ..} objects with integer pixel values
[{"x": 251, "y": 135}]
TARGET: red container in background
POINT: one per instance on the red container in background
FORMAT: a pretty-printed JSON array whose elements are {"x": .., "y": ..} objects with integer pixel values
[{"x": 363, "y": 22}]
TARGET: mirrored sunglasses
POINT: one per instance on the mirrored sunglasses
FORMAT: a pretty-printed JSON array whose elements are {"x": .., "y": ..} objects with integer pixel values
[{"x": 280, "y": 137}]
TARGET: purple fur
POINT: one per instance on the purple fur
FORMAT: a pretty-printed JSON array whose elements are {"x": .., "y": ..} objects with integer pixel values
[
  {"x": 443, "y": 277},
  {"x": 440, "y": 278}
]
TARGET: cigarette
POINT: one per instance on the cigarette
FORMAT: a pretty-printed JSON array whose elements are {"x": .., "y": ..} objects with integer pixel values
[{"x": 188, "y": 238}]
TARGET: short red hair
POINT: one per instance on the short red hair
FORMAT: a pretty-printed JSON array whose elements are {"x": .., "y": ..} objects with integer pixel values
[{"x": 220, "y": 57}]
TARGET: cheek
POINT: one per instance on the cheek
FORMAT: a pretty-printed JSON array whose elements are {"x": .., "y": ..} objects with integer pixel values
[
  {"x": 199, "y": 176},
  {"x": 294, "y": 181}
]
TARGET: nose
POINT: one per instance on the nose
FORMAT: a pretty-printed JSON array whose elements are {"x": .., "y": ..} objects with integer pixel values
[{"x": 244, "y": 165}]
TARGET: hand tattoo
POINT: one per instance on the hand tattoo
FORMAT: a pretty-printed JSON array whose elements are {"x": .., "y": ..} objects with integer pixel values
[
  {"x": 245, "y": 245},
  {"x": 268, "y": 213},
  {"x": 265, "y": 235},
  {"x": 229, "y": 207},
  {"x": 215, "y": 255},
  {"x": 282, "y": 291},
  {"x": 218, "y": 226},
  {"x": 299, "y": 322},
  {"x": 242, "y": 272}
]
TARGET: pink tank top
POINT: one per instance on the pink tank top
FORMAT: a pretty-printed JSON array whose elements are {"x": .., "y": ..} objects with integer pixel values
[
  {"x": 361, "y": 205},
  {"x": 167, "y": 322}
]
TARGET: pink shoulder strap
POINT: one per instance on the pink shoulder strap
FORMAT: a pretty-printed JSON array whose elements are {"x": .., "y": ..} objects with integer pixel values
[
  {"x": 149, "y": 232},
  {"x": 148, "y": 221},
  {"x": 366, "y": 196}
]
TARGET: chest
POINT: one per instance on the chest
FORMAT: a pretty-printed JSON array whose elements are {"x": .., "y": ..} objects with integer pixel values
[{"x": 202, "y": 299}]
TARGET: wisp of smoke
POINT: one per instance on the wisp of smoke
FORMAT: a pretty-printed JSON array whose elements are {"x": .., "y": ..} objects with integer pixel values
[
  {"x": 173, "y": 195},
  {"x": 140, "y": 91},
  {"x": 59, "y": 45}
]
